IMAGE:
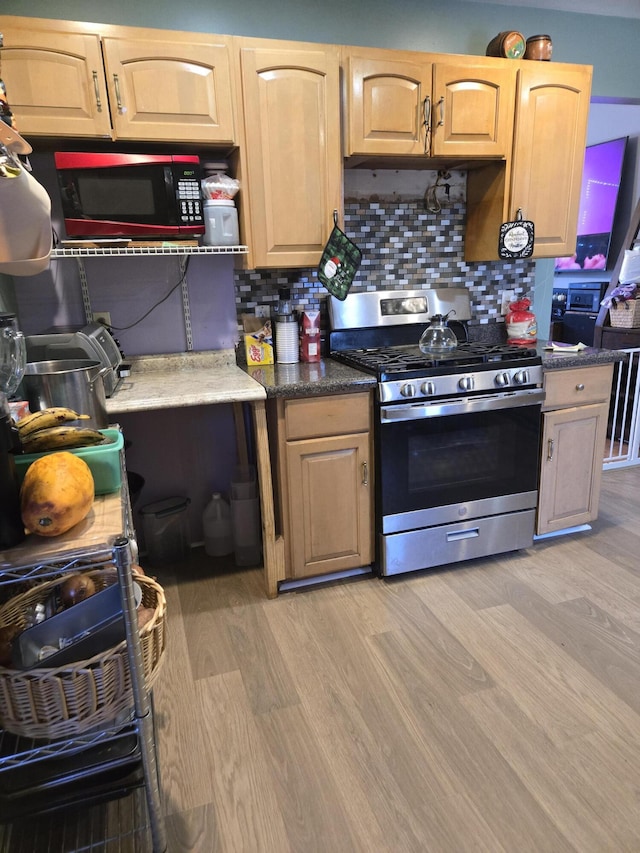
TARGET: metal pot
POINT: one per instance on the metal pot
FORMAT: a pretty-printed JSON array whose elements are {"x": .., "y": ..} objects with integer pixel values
[{"x": 76, "y": 383}]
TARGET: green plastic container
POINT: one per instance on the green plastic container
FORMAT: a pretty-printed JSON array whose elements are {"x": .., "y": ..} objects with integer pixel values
[{"x": 102, "y": 459}]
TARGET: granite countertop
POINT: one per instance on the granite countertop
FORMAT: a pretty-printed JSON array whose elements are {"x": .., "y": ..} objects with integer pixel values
[
  {"x": 206, "y": 378},
  {"x": 585, "y": 358},
  {"x": 310, "y": 379},
  {"x": 184, "y": 379}
]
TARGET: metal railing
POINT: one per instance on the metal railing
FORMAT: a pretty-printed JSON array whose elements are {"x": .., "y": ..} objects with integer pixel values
[{"x": 623, "y": 429}]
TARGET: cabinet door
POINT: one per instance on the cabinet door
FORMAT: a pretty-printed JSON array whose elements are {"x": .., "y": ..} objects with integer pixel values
[
  {"x": 543, "y": 177},
  {"x": 55, "y": 83},
  {"x": 387, "y": 105},
  {"x": 170, "y": 91},
  {"x": 293, "y": 162},
  {"x": 473, "y": 109},
  {"x": 330, "y": 504},
  {"x": 548, "y": 155},
  {"x": 571, "y": 466}
]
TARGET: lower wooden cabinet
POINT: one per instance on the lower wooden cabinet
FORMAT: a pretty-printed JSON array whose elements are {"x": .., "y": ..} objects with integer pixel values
[
  {"x": 325, "y": 483},
  {"x": 573, "y": 439}
]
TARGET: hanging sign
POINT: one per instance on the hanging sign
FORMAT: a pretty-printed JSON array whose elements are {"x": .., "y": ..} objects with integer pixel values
[{"x": 516, "y": 238}]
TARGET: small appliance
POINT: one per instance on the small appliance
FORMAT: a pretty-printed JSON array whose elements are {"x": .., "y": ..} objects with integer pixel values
[
  {"x": 105, "y": 194},
  {"x": 582, "y": 307},
  {"x": 93, "y": 341}
]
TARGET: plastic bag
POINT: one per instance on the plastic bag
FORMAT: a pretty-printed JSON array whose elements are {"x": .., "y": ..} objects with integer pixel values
[{"x": 630, "y": 269}]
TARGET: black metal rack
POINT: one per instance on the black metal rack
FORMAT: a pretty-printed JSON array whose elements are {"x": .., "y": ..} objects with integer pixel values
[{"x": 110, "y": 772}]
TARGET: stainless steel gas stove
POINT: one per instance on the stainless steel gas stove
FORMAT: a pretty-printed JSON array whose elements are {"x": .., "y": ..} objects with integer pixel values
[{"x": 457, "y": 435}]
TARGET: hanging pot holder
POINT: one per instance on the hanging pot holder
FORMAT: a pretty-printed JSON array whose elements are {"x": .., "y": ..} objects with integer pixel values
[
  {"x": 339, "y": 262},
  {"x": 516, "y": 238}
]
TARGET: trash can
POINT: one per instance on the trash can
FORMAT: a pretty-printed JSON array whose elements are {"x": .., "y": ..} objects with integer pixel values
[{"x": 166, "y": 530}]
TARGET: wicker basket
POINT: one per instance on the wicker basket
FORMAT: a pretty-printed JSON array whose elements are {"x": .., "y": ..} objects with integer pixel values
[
  {"x": 70, "y": 700},
  {"x": 625, "y": 315}
]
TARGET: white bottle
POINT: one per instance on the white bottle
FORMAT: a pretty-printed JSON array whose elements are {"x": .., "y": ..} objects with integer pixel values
[{"x": 216, "y": 521}]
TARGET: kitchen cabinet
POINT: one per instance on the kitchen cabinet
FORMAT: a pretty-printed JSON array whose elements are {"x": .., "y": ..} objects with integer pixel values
[
  {"x": 544, "y": 175},
  {"x": 55, "y": 80},
  {"x": 151, "y": 85},
  {"x": 573, "y": 440},
  {"x": 409, "y": 103},
  {"x": 325, "y": 476},
  {"x": 292, "y": 167}
]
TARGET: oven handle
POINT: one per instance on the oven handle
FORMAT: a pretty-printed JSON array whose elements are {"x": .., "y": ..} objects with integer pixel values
[{"x": 462, "y": 406}]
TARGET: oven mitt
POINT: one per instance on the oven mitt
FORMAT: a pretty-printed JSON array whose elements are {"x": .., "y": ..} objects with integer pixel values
[
  {"x": 339, "y": 262},
  {"x": 516, "y": 238}
]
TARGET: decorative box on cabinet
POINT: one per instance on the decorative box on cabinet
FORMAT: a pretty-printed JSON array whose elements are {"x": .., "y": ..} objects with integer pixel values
[
  {"x": 292, "y": 162},
  {"x": 325, "y": 477},
  {"x": 419, "y": 104},
  {"x": 154, "y": 85},
  {"x": 544, "y": 175},
  {"x": 573, "y": 440}
]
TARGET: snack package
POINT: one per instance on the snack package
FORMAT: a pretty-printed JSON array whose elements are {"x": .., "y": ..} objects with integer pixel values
[{"x": 258, "y": 340}]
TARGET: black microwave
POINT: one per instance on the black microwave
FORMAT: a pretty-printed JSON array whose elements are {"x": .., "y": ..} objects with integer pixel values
[{"x": 130, "y": 195}]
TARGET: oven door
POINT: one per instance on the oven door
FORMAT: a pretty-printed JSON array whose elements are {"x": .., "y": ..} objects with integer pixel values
[{"x": 456, "y": 460}]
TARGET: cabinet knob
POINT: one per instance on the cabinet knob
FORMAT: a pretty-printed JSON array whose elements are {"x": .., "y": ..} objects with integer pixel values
[{"x": 580, "y": 387}]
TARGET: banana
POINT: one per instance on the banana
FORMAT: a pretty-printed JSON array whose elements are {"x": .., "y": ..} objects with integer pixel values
[
  {"x": 59, "y": 437},
  {"x": 51, "y": 417}
]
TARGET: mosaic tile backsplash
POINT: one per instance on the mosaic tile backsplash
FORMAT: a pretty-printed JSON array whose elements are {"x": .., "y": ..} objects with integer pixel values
[{"x": 403, "y": 247}]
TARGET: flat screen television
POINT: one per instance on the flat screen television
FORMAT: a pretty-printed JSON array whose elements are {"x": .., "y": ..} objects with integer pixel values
[{"x": 598, "y": 200}]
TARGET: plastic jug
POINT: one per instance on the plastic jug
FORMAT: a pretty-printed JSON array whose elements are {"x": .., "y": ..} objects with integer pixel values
[
  {"x": 216, "y": 521},
  {"x": 220, "y": 222}
]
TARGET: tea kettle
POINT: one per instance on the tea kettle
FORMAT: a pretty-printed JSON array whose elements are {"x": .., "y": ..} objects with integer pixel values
[{"x": 438, "y": 338}]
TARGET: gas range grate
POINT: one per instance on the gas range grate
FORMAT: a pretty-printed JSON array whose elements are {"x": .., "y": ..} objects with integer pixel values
[{"x": 398, "y": 360}]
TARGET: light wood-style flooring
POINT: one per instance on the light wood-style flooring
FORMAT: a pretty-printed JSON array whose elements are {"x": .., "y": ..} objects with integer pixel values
[
  {"x": 494, "y": 706},
  {"x": 489, "y": 707}
]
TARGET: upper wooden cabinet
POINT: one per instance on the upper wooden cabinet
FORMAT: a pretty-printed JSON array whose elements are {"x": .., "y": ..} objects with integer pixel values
[
  {"x": 55, "y": 81},
  {"x": 174, "y": 89},
  {"x": 292, "y": 171},
  {"x": 543, "y": 177},
  {"x": 418, "y": 104},
  {"x": 170, "y": 90}
]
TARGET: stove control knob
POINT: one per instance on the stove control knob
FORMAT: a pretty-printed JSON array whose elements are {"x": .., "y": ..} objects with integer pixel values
[
  {"x": 428, "y": 388},
  {"x": 502, "y": 379},
  {"x": 521, "y": 377},
  {"x": 408, "y": 390},
  {"x": 465, "y": 383}
]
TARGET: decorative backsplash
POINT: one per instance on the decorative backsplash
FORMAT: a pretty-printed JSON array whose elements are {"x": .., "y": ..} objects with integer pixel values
[{"x": 403, "y": 247}]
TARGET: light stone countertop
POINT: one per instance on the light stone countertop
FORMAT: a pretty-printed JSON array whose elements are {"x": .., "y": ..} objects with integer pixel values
[{"x": 183, "y": 379}]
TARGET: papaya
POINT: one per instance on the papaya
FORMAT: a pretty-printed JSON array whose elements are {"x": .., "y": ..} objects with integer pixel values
[{"x": 57, "y": 492}]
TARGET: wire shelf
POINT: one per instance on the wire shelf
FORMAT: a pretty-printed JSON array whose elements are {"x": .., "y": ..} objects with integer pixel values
[{"x": 130, "y": 251}]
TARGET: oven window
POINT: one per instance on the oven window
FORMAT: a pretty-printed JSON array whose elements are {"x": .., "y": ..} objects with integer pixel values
[{"x": 439, "y": 461}]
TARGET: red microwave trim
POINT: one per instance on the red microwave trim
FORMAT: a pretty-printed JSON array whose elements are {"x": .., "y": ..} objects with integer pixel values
[
  {"x": 102, "y": 160},
  {"x": 103, "y": 228}
]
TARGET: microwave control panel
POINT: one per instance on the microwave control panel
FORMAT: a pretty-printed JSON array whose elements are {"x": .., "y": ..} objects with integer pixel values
[{"x": 189, "y": 196}]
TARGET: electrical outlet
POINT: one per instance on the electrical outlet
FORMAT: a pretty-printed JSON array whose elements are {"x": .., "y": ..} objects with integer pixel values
[
  {"x": 508, "y": 296},
  {"x": 263, "y": 311},
  {"x": 103, "y": 317}
]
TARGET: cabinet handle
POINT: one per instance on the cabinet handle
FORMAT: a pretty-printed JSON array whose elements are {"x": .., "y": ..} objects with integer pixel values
[
  {"x": 96, "y": 89},
  {"x": 426, "y": 123},
  {"x": 365, "y": 474},
  {"x": 550, "y": 450},
  {"x": 580, "y": 387},
  {"x": 441, "y": 110},
  {"x": 116, "y": 83}
]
